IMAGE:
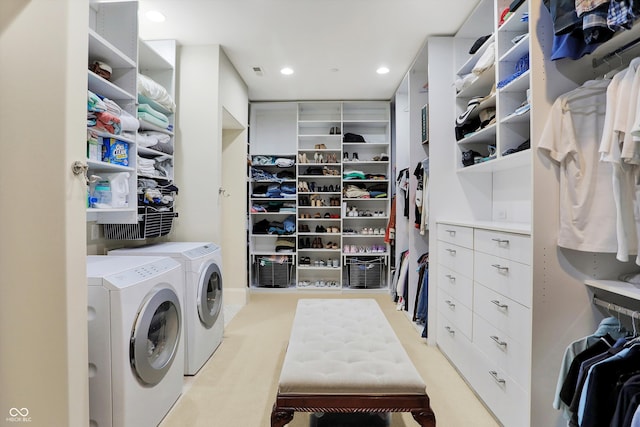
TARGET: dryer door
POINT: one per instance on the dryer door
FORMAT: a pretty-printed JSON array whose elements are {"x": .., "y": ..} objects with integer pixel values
[
  {"x": 210, "y": 295},
  {"x": 155, "y": 336}
]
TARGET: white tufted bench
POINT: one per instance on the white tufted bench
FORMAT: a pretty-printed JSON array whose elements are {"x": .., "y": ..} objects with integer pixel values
[{"x": 343, "y": 357}]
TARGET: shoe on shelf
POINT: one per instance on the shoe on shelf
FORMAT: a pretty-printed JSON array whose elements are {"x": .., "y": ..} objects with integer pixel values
[
  {"x": 354, "y": 157},
  {"x": 345, "y": 156}
]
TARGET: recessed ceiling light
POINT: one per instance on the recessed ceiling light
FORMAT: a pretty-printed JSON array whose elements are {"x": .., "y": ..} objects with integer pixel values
[
  {"x": 382, "y": 70},
  {"x": 155, "y": 16},
  {"x": 287, "y": 71}
]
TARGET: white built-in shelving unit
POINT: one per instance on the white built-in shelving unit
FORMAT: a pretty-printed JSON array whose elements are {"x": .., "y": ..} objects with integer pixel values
[
  {"x": 504, "y": 319},
  {"x": 339, "y": 234}
]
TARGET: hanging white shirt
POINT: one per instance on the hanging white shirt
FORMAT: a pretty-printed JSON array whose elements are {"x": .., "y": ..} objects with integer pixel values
[
  {"x": 623, "y": 181},
  {"x": 572, "y": 138}
]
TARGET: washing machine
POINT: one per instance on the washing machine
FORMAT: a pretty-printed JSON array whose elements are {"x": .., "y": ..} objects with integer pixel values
[
  {"x": 204, "y": 320},
  {"x": 135, "y": 325}
]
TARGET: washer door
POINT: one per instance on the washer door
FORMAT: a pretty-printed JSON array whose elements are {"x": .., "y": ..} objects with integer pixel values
[
  {"x": 155, "y": 336},
  {"x": 210, "y": 295}
]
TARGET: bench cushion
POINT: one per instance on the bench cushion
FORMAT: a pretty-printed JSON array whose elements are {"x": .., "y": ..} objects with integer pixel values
[{"x": 346, "y": 346}]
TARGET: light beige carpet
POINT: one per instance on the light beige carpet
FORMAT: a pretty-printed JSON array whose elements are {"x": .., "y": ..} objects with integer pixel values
[{"x": 237, "y": 386}]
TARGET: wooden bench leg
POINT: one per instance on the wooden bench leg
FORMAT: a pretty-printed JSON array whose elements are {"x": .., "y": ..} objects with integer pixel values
[
  {"x": 280, "y": 417},
  {"x": 424, "y": 417}
]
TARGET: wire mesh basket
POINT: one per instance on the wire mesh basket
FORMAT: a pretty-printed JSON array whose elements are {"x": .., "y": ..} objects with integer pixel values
[
  {"x": 273, "y": 271},
  {"x": 366, "y": 272},
  {"x": 151, "y": 223}
]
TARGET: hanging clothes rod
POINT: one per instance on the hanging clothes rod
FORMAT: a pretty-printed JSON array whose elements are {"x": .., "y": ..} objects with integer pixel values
[
  {"x": 634, "y": 314},
  {"x": 599, "y": 61}
]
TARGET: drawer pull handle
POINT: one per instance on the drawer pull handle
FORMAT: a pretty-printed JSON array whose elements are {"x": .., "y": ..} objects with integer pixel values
[
  {"x": 452, "y": 252},
  {"x": 497, "y": 341},
  {"x": 499, "y": 304},
  {"x": 497, "y": 379},
  {"x": 450, "y": 304},
  {"x": 501, "y": 241},
  {"x": 452, "y": 233},
  {"x": 451, "y": 278},
  {"x": 451, "y": 331},
  {"x": 499, "y": 267}
]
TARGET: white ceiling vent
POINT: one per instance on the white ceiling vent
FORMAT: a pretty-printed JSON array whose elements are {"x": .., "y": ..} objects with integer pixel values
[{"x": 258, "y": 71}]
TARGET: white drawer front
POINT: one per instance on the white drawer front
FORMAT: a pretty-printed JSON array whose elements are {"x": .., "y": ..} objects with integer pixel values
[
  {"x": 509, "y": 278},
  {"x": 456, "y": 312},
  {"x": 454, "y": 345},
  {"x": 510, "y": 317},
  {"x": 456, "y": 258},
  {"x": 462, "y": 236},
  {"x": 506, "y": 399},
  {"x": 512, "y": 356},
  {"x": 456, "y": 284},
  {"x": 516, "y": 247}
]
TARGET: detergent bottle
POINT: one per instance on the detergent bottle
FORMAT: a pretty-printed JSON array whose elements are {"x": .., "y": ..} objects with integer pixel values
[
  {"x": 101, "y": 194},
  {"x": 119, "y": 186}
]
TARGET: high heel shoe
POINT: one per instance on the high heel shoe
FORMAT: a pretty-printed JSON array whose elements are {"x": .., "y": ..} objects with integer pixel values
[
  {"x": 304, "y": 158},
  {"x": 354, "y": 157},
  {"x": 345, "y": 156}
]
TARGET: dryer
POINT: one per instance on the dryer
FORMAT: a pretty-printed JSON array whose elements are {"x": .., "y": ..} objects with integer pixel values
[
  {"x": 203, "y": 311},
  {"x": 135, "y": 325}
]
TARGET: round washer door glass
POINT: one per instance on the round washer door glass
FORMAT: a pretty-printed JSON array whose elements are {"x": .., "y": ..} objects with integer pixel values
[
  {"x": 210, "y": 295},
  {"x": 155, "y": 336}
]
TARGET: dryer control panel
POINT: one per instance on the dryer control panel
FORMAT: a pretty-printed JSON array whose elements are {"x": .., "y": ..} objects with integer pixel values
[
  {"x": 201, "y": 251},
  {"x": 143, "y": 272}
]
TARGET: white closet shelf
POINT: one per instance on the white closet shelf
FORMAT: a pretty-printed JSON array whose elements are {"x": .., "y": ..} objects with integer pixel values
[
  {"x": 617, "y": 287},
  {"x": 480, "y": 86},
  {"x": 103, "y": 87},
  {"x": 502, "y": 163},
  {"x": 517, "y": 51},
  {"x": 152, "y": 152},
  {"x": 486, "y": 135},
  {"x": 514, "y": 24},
  {"x": 108, "y": 167},
  {"x": 149, "y": 126},
  {"x": 101, "y": 50},
  {"x": 519, "y": 84},
  {"x": 473, "y": 59}
]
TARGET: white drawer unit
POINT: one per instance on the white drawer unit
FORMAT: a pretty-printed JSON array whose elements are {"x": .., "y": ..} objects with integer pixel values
[
  {"x": 456, "y": 284},
  {"x": 516, "y": 247},
  {"x": 504, "y": 276},
  {"x": 506, "y": 399},
  {"x": 458, "y": 235},
  {"x": 484, "y": 296},
  {"x": 455, "y": 345},
  {"x": 456, "y": 258},
  {"x": 507, "y": 315},
  {"x": 509, "y": 354},
  {"x": 456, "y": 312}
]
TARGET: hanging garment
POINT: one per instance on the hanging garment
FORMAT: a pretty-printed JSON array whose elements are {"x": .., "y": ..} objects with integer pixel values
[
  {"x": 390, "y": 231},
  {"x": 571, "y": 138},
  {"x": 598, "y": 398},
  {"x": 402, "y": 281},
  {"x": 424, "y": 219},
  {"x": 609, "y": 325},
  {"x": 628, "y": 400},
  {"x": 616, "y": 133},
  {"x": 418, "y": 173}
]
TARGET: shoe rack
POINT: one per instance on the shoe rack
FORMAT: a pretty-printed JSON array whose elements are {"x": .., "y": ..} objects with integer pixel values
[
  {"x": 341, "y": 226},
  {"x": 319, "y": 195}
]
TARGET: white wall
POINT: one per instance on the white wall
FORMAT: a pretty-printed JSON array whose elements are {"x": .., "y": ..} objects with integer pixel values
[
  {"x": 211, "y": 152},
  {"x": 43, "y": 292},
  {"x": 234, "y": 100},
  {"x": 198, "y": 144}
]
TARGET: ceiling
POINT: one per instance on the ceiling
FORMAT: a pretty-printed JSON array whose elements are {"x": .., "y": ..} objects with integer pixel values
[{"x": 333, "y": 46}]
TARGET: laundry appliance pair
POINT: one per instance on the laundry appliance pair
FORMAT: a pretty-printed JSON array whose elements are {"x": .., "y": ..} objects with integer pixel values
[{"x": 142, "y": 334}]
